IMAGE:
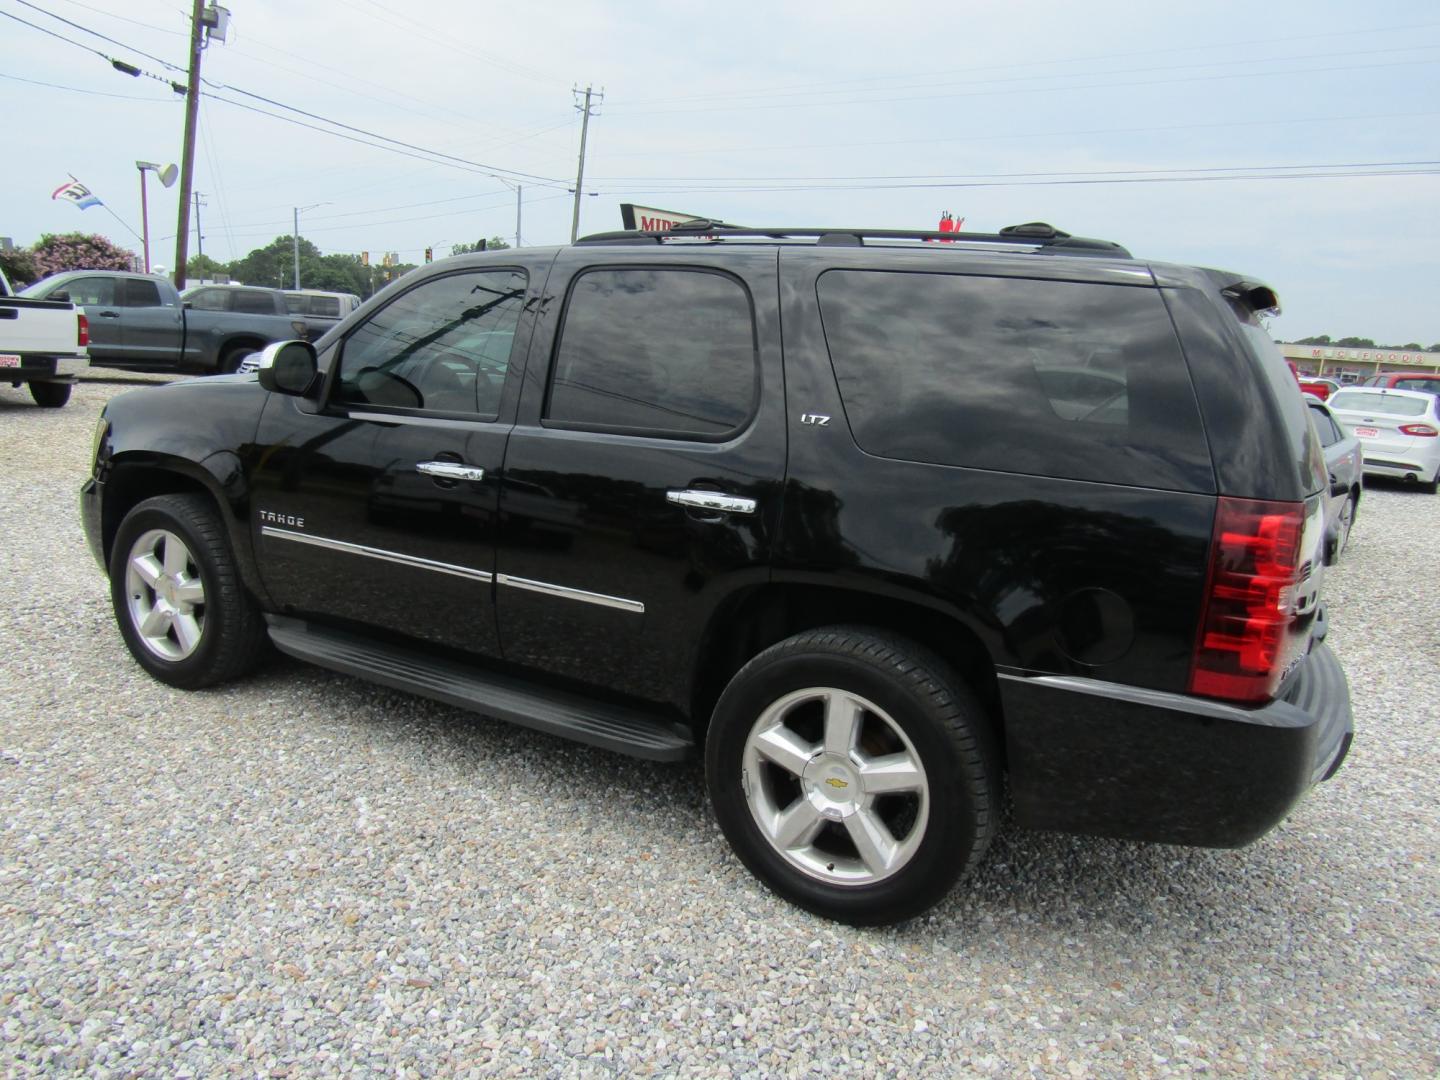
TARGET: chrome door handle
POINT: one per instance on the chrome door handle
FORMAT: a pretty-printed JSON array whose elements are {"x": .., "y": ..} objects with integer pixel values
[
  {"x": 711, "y": 500},
  {"x": 449, "y": 470}
]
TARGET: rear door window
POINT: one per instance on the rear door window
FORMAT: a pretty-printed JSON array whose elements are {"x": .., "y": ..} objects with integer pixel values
[
  {"x": 251, "y": 302},
  {"x": 669, "y": 353},
  {"x": 210, "y": 300},
  {"x": 1054, "y": 378},
  {"x": 141, "y": 293}
]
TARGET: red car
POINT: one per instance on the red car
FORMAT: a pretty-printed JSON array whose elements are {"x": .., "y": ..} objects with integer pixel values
[
  {"x": 1405, "y": 380},
  {"x": 1320, "y": 388}
]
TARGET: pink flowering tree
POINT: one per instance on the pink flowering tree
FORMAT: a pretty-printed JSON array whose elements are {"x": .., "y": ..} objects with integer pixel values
[{"x": 54, "y": 253}]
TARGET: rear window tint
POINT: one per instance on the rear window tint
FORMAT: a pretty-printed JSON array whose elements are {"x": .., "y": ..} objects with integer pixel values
[
  {"x": 1054, "y": 378},
  {"x": 1374, "y": 401}
]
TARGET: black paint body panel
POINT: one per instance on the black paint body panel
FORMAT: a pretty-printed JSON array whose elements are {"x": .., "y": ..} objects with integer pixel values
[{"x": 569, "y": 564}]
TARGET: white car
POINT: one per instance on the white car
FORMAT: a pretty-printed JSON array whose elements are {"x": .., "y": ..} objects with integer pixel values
[{"x": 1399, "y": 431}]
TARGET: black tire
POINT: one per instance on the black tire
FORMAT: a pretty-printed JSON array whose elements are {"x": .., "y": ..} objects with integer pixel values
[
  {"x": 50, "y": 395},
  {"x": 911, "y": 708},
  {"x": 231, "y": 357},
  {"x": 188, "y": 644},
  {"x": 1344, "y": 523},
  {"x": 1431, "y": 487}
]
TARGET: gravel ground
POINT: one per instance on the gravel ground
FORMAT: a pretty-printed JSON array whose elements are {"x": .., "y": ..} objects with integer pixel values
[{"x": 303, "y": 875}]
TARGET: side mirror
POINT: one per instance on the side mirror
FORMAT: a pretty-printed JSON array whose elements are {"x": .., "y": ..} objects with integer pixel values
[
  {"x": 188, "y": 305},
  {"x": 288, "y": 367},
  {"x": 61, "y": 295}
]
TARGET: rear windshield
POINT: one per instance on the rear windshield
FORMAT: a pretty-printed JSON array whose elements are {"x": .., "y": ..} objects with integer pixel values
[
  {"x": 1053, "y": 378},
  {"x": 1376, "y": 402}
]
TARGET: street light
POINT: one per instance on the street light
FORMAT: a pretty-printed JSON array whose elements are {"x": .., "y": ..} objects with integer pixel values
[
  {"x": 296, "y": 237},
  {"x": 167, "y": 176}
]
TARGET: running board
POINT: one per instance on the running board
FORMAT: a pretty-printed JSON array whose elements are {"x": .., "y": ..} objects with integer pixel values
[{"x": 570, "y": 716}]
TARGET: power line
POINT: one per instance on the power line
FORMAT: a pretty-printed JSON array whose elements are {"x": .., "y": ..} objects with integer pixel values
[
  {"x": 1033, "y": 183},
  {"x": 474, "y": 166},
  {"x": 82, "y": 90},
  {"x": 421, "y": 30},
  {"x": 930, "y": 140},
  {"x": 96, "y": 33},
  {"x": 374, "y": 135},
  {"x": 1031, "y": 64},
  {"x": 1027, "y": 175},
  {"x": 1346, "y": 70},
  {"x": 122, "y": 18}
]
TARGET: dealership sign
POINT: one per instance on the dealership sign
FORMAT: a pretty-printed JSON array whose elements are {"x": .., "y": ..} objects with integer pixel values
[
  {"x": 650, "y": 219},
  {"x": 1372, "y": 355}
]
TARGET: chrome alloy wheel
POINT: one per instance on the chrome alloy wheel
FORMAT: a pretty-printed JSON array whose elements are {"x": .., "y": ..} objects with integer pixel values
[
  {"x": 165, "y": 597},
  {"x": 836, "y": 786}
]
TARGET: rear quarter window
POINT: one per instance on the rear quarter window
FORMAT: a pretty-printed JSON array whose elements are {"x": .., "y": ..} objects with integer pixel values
[{"x": 1078, "y": 380}]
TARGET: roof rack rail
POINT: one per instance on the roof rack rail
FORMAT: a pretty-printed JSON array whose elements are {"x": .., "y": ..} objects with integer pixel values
[{"x": 1045, "y": 239}]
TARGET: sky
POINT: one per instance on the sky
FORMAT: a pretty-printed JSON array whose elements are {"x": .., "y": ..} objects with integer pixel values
[{"x": 1294, "y": 142}]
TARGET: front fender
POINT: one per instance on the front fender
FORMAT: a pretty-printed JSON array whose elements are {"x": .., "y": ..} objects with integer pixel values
[{"x": 184, "y": 436}]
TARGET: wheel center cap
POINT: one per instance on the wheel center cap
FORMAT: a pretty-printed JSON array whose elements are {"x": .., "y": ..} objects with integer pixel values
[{"x": 832, "y": 784}]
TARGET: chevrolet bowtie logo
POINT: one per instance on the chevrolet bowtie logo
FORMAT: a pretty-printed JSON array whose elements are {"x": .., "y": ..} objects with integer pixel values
[{"x": 836, "y": 782}]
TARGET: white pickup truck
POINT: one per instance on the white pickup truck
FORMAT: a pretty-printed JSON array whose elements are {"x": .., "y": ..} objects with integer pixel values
[{"x": 43, "y": 343}]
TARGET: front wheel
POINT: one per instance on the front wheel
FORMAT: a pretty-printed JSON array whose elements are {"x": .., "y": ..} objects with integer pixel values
[
  {"x": 853, "y": 773},
  {"x": 50, "y": 395},
  {"x": 182, "y": 609}
]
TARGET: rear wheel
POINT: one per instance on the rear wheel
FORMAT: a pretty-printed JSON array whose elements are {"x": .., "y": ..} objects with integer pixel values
[
  {"x": 50, "y": 395},
  {"x": 853, "y": 773},
  {"x": 178, "y": 598}
]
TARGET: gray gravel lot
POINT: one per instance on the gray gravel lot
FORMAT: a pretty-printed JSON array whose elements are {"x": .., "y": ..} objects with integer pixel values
[{"x": 304, "y": 875}]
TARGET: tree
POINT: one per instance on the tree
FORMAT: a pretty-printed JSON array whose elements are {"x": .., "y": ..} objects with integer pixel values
[
  {"x": 495, "y": 243},
  {"x": 203, "y": 267},
  {"x": 1322, "y": 339},
  {"x": 19, "y": 266},
  {"x": 1356, "y": 342},
  {"x": 55, "y": 253},
  {"x": 274, "y": 264}
]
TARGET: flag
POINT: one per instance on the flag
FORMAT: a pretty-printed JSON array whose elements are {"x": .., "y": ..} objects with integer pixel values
[{"x": 77, "y": 193}]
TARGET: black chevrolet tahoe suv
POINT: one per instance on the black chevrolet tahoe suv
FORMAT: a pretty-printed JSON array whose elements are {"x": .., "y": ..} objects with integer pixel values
[{"x": 884, "y": 527}]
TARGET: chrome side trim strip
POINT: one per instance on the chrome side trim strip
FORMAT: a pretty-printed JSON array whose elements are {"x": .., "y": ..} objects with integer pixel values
[
  {"x": 378, "y": 553},
  {"x": 464, "y": 422},
  {"x": 600, "y": 599}
]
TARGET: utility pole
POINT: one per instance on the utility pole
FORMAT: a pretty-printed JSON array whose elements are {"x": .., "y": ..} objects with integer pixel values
[
  {"x": 580, "y": 174},
  {"x": 187, "y": 158},
  {"x": 295, "y": 236},
  {"x": 199, "y": 236}
]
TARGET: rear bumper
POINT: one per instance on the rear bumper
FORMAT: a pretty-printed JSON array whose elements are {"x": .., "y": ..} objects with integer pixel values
[
  {"x": 45, "y": 368},
  {"x": 1099, "y": 758}
]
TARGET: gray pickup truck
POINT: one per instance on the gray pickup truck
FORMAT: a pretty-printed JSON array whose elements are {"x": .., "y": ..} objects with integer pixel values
[{"x": 139, "y": 321}]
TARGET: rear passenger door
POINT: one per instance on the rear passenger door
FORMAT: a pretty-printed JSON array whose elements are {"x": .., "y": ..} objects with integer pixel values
[
  {"x": 152, "y": 326},
  {"x": 642, "y": 480}
]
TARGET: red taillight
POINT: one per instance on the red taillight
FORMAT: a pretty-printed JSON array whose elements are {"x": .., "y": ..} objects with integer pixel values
[
  {"x": 83, "y": 333},
  {"x": 1425, "y": 431},
  {"x": 1249, "y": 599}
]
